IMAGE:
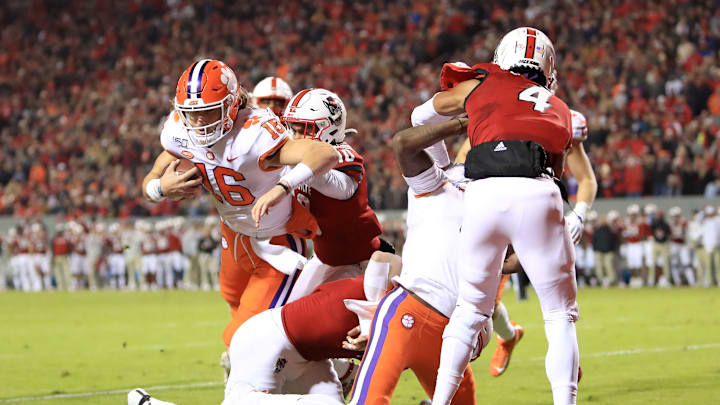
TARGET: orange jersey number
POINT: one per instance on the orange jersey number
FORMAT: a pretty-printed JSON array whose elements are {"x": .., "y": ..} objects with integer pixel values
[
  {"x": 233, "y": 194},
  {"x": 274, "y": 127}
]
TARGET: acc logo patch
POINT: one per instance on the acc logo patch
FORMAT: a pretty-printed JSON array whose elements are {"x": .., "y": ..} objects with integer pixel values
[
  {"x": 224, "y": 243},
  {"x": 408, "y": 321},
  {"x": 187, "y": 154}
]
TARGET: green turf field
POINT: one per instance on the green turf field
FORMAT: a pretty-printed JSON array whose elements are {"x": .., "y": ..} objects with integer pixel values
[{"x": 637, "y": 347}]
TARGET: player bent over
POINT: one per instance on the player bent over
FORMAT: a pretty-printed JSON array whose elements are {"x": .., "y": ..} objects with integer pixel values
[
  {"x": 520, "y": 133},
  {"x": 297, "y": 340},
  {"x": 408, "y": 325},
  {"x": 241, "y": 153}
]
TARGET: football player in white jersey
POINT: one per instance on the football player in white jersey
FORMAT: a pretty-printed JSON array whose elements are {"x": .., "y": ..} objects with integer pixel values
[
  {"x": 273, "y": 93},
  {"x": 241, "y": 153},
  {"x": 409, "y": 322}
]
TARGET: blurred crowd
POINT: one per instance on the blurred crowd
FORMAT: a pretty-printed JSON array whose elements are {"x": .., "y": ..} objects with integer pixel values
[
  {"x": 84, "y": 85},
  {"x": 170, "y": 253},
  {"x": 642, "y": 247},
  {"x": 649, "y": 247}
]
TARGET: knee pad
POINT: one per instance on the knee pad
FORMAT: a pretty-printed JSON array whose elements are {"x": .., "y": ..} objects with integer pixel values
[
  {"x": 571, "y": 314},
  {"x": 470, "y": 327}
]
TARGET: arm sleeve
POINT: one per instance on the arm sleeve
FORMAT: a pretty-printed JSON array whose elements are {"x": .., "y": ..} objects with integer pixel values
[{"x": 335, "y": 184}]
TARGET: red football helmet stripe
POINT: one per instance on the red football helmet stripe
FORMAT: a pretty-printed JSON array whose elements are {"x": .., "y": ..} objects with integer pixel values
[
  {"x": 530, "y": 44},
  {"x": 299, "y": 97}
]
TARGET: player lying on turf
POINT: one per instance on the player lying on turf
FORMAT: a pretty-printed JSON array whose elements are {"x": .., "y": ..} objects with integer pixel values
[
  {"x": 280, "y": 356},
  {"x": 408, "y": 324}
]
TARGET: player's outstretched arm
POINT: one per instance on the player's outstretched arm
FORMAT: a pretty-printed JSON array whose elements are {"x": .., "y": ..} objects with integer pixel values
[
  {"x": 580, "y": 167},
  {"x": 311, "y": 158},
  {"x": 162, "y": 182},
  {"x": 409, "y": 144},
  {"x": 452, "y": 102}
]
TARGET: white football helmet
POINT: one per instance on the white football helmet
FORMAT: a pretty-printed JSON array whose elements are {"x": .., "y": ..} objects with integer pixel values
[
  {"x": 527, "y": 48},
  {"x": 675, "y": 211},
  {"x": 272, "y": 88},
  {"x": 321, "y": 113}
]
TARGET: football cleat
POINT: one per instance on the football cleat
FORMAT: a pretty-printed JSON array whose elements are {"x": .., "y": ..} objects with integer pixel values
[
  {"x": 501, "y": 358},
  {"x": 139, "y": 396},
  {"x": 225, "y": 363}
]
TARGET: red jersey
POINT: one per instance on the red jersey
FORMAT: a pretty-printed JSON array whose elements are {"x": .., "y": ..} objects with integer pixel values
[
  {"x": 636, "y": 231},
  {"x": 507, "y": 106},
  {"x": 163, "y": 244},
  {"x": 39, "y": 245},
  {"x": 349, "y": 228},
  {"x": 60, "y": 246},
  {"x": 175, "y": 244},
  {"x": 318, "y": 323},
  {"x": 678, "y": 229},
  {"x": 23, "y": 245}
]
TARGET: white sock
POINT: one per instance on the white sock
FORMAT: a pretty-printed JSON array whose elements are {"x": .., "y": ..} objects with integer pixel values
[
  {"x": 341, "y": 366},
  {"x": 455, "y": 355},
  {"x": 376, "y": 280},
  {"x": 501, "y": 322},
  {"x": 563, "y": 357}
]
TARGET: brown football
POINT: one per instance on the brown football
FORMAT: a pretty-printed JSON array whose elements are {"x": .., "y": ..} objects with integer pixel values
[{"x": 184, "y": 166}]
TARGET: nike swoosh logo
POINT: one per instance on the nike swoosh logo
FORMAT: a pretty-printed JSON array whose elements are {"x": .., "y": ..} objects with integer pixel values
[{"x": 231, "y": 159}]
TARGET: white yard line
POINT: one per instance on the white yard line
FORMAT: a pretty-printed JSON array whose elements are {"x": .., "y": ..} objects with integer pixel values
[
  {"x": 218, "y": 384},
  {"x": 637, "y": 351},
  {"x": 113, "y": 392}
]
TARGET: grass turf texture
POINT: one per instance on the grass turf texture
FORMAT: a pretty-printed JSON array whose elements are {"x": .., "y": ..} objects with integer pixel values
[{"x": 637, "y": 347}]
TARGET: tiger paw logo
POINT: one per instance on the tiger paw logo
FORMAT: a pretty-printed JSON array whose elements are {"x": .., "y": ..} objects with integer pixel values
[
  {"x": 408, "y": 321},
  {"x": 228, "y": 79}
]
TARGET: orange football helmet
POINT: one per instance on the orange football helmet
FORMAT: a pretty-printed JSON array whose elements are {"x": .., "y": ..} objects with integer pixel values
[{"x": 208, "y": 85}]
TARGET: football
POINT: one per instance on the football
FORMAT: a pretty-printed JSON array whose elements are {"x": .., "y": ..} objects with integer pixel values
[{"x": 184, "y": 166}]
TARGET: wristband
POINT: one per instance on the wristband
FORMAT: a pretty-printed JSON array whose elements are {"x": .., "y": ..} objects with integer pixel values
[
  {"x": 286, "y": 188},
  {"x": 425, "y": 113},
  {"x": 299, "y": 175},
  {"x": 581, "y": 209},
  {"x": 154, "y": 191},
  {"x": 439, "y": 154}
]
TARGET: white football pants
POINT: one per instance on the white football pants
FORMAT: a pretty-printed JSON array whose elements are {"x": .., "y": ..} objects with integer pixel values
[
  {"x": 527, "y": 213},
  {"x": 264, "y": 365}
]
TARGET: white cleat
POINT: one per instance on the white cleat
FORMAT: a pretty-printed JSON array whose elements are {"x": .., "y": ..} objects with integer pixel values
[
  {"x": 138, "y": 396},
  {"x": 225, "y": 363}
]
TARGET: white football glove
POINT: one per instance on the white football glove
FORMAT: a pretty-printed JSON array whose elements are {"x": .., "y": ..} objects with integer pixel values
[{"x": 575, "y": 226}]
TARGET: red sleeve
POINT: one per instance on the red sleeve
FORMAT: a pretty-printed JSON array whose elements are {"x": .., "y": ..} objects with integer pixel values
[
  {"x": 451, "y": 75},
  {"x": 349, "y": 162}
]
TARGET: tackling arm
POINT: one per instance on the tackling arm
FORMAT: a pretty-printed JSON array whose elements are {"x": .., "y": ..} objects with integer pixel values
[
  {"x": 311, "y": 158},
  {"x": 409, "y": 144},
  {"x": 452, "y": 102}
]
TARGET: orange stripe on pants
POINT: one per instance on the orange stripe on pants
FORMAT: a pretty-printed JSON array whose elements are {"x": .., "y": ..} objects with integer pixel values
[{"x": 405, "y": 334}]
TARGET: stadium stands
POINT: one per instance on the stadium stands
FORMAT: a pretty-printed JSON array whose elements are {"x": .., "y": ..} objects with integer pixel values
[{"x": 83, "y": 95}]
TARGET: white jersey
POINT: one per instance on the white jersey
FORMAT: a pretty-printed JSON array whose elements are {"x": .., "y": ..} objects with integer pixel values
[
  {"x": 433, "y": 227},
  {"x": 234, "y": 168},
  {"x": 579, "y": 126}
]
